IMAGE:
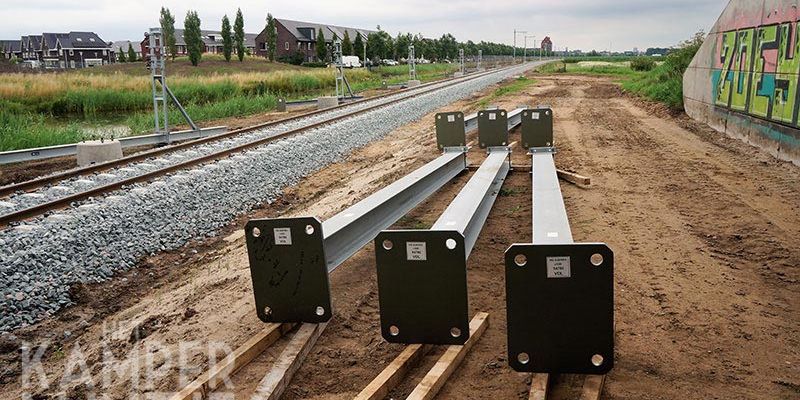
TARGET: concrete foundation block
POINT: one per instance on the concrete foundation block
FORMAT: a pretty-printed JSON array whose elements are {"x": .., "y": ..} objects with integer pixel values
[
  {"x": 458, "y": 74},
  {"x": 95, "y": 151},
  {"x": 414, "y": 82},
  {"x": 280, "y": 106},
  {"x": 327, "y": 102}
]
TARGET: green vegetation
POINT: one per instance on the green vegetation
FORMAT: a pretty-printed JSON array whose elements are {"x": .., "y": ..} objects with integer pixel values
[
  {"x": 347, "y": 45},
  {"x": 131, "y": 53},
  {"x": 238, "y": 34},
  {"x": 611, "y": 59},
  {"x": 193, "y": 37},
  {"x": 272, "y": 37},
  {"x": 227, "y": 39},
  {"x": 643, "y": 64},
  {"x": 167, "y": 22},
  {"x": 20, "y": 129},
  {"x": 517, "y": 86},
  {"x": 659, "y": 81},
  {"x": 322, "y": 48},
  {"x": 35, "y": 107},
  {"x": 665, "y": 82}
]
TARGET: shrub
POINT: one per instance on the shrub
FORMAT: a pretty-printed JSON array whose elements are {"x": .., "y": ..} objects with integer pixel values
[
  {"x": 642, "y": 64},
  {"x": 296, "y": 59}
]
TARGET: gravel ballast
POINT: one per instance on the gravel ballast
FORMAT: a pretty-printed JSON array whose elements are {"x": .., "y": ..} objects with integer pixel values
[{"x": 92, "y": 241}]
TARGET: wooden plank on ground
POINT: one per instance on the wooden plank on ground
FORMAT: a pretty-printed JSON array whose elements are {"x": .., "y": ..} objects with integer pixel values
[
  {"x": 449, "y": 361},
  {"x": 539, "y": 387},
  {"x": 208, "y": 381},
  {"x": 289, "y": 361},
  {"x": 573, "y": 177},
  {"x": 592, "y": 387},
  {"x": 391, "y": 375}
]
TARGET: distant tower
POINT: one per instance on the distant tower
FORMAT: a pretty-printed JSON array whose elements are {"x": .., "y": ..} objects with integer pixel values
[{"x": 547, "y": 44}]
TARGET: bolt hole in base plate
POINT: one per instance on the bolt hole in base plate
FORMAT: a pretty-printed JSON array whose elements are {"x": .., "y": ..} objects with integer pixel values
[
  {"x": 560, "y": 308},
  {"x": 422, "y": 287},
  {"x": 288, "y": 269}
]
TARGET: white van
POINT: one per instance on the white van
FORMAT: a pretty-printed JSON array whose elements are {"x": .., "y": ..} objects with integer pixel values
[{"x": 351, "y": 62}]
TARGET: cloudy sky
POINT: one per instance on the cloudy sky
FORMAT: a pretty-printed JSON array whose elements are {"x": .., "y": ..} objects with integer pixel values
[{"x": 577, "y": 24}]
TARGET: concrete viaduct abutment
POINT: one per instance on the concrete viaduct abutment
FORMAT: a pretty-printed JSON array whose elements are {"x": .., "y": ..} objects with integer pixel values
[{"x": 744, "y": 79}]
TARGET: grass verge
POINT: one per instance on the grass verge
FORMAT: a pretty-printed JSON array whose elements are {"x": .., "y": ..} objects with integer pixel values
[{"x": 516, "y": 86}]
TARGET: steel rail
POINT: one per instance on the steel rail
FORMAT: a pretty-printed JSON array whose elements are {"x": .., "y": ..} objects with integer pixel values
[
  {"x": 422, "y": 274},
  {"x": 291, "y": 258},
  {"x": 559, "y": 294},
  {"x": 65, "y": 201},
  {"x": 41, "y": 181}
]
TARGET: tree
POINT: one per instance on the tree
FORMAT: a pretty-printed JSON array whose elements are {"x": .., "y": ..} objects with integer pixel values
[
  {"x": 238, "y": 34},
  {"x": 193, "y": 37},
  {"x": 167, "y": 21},
  {"x": 358, "y": 46},
  {"x": 401, "y": 45},
  {"x": 272, "y": 37},
  {"x": 322, "y": 48},
  {"x": 347, "y": 45},
  {"x": 131, "y": 53},
  {"x": 121, "y": 55},
  {"x": 227, "y": 39}
]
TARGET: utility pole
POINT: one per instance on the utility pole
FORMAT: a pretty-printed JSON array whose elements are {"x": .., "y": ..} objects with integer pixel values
[
  {"x": 516, "y": 32},
  {"x": 525, "y": 53},
  {"x": 412, "y": 63}
]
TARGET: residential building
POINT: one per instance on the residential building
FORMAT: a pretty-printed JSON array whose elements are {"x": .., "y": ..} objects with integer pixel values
[
  {"x": 123, "y": 45},
  {"x": 547, "y": 44},
  {"x": 212, "y": 43},
  {"x": 60, "y": 50},
  {"x": 11, "y": 49},
  {"x": 75, "y": 50},
  {"x": 297, "y": 36}
]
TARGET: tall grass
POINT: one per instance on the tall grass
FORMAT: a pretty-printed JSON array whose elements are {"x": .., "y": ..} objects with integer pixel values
[
  {"x": 665, "y": 82},
  {"x": 33, "y": 106},
  {"x": 26, "y": 130}
]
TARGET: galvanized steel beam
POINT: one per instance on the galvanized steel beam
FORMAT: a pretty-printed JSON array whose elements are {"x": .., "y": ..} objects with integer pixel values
[
  {"x": 290, "y": 258},
  {"x": 422, "y": 277},
  {"x": 559, "y": 294}
]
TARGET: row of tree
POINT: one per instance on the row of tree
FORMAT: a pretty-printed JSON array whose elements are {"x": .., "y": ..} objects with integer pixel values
[
  {"x": 379, "y": 44},
  {"x": 193, "y": 36}
]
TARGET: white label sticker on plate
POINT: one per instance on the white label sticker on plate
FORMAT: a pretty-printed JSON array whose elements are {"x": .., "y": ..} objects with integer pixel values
[
  {"x": 283, "y": 236},
  {"x": 535, "y": 115},
  {"x": 415, "y": 251},
  {"x": 451, "y": 118},
  {"x": 492, "y": 116},
  {"x": 558, "y": 267}
]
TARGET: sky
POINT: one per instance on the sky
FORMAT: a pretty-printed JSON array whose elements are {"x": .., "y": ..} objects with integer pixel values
[{"x": 616, "y": 25}]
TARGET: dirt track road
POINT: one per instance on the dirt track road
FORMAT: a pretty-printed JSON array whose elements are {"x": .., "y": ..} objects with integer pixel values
[{"x": 705, "y": 233}]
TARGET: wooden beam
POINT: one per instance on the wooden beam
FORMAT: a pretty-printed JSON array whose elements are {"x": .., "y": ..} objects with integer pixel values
[
  {"x": 391, "y": 375},
  {"x": 539, "y": 387},
  {"x": 277, "y": 379},
  {"x": 449, "y": 361},
  {"x": 208, "y": 381},
  {"x": 573, "y": 177},
  {"x": 592, "y": 387}
]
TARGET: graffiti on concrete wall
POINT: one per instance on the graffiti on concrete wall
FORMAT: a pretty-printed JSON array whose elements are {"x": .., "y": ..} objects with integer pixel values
[{"x": 756, "y": 72}]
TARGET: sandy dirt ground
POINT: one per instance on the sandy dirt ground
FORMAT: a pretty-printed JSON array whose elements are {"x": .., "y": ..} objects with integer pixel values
[{"x": 704, "y": 229}]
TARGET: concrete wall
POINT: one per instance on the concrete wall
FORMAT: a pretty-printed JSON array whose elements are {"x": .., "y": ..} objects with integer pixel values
[{"x": 744, "y": 79}]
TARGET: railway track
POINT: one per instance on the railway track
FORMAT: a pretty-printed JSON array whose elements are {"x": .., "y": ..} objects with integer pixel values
[{"x": 237, "y": 141}]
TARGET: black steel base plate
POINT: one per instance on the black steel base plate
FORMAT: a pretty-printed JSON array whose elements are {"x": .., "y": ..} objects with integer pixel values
[
  {"x": 287, "y": 265},
  {"x": 560, "y": 308},
  {"x": 450, "y": 129},
  {"x": 422, "y": 287},
  {"x": 492, "y": 128}
]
